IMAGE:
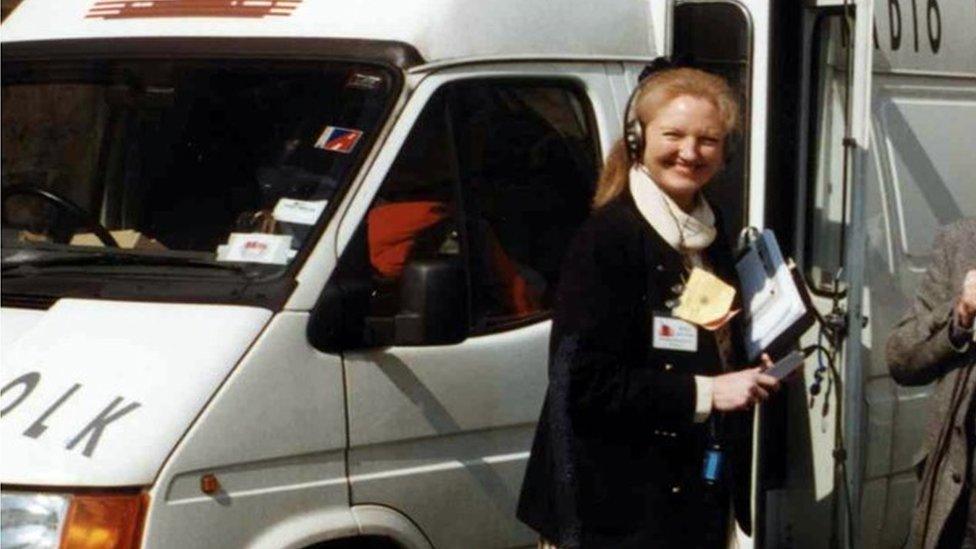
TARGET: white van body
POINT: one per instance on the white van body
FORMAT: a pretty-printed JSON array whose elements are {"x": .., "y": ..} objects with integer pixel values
[
  {"x": 424, "y": 445},
  {"x": 307, "y": 446}
]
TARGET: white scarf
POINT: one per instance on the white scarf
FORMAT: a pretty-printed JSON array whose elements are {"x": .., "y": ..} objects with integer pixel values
[{"x": 688, "y": 233}]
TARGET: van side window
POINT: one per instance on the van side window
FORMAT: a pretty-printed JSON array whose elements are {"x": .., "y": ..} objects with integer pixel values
[
  {"x": 529, "y": 167},
  {"x": 496, "y": 174},
  {"x": 414, "y": 215}
]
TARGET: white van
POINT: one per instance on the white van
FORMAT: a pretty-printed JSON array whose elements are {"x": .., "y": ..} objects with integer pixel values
[{"x": 277, "y": 273}]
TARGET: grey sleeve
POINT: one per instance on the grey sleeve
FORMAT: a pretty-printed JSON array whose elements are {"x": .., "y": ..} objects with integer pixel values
[{"x": 919, "y": 349}]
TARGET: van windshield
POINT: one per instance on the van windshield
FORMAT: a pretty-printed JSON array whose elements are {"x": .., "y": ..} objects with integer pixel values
[{"x": 193, "y": 167}]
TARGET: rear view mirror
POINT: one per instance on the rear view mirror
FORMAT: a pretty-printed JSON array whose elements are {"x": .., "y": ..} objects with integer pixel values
[{"x": 337, "y": 322}]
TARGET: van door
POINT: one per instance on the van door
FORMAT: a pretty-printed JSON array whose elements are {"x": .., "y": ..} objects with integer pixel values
[
  {"x": 495, "y": 175},
  {"x": 719, "y": 37},
  {"x": 731, "y": 38},
  {"x": 917, "y": 178}
]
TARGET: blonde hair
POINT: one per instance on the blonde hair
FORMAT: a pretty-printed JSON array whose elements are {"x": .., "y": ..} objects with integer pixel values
[{"x": 653, "y": 93}]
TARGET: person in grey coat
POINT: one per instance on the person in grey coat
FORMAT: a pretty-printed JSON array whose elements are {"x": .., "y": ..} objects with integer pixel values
[{"x": 934, "y": 342}]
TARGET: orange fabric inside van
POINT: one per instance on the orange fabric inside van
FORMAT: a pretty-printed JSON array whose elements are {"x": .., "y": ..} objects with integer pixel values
[{"x": 393, "y": 230}]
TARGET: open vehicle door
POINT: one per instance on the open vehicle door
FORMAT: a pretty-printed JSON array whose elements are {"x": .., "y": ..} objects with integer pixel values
[
  {"x": 733, "y": 39},
  {"x": 794, "y": 475},
  {"x": 890, "y": 104}
]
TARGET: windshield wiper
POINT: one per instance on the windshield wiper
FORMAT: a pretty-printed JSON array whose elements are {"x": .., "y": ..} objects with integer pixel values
[{"x": 26, "y": 263}]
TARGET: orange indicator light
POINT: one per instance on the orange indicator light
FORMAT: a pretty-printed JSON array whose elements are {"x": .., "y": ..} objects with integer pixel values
[
  {"x": 209, "y": 484},
  {"x": 103, "y": 521}
]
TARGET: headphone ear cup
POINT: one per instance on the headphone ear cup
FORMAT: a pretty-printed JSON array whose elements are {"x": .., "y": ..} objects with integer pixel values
[{"x": 635, "y": 141}]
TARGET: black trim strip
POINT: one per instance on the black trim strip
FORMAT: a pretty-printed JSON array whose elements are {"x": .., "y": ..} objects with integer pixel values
[{"x": 386, "y": 52}]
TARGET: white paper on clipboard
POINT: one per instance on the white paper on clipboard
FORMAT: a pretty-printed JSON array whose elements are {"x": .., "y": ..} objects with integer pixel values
[{"x": 772, "y": 303}]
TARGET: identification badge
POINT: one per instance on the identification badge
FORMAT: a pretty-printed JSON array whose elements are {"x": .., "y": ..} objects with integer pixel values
[{"x": 674, "y": 334}]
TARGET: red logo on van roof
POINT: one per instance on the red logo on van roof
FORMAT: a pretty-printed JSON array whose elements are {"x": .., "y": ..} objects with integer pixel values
[{"x": 134, "y": 9}]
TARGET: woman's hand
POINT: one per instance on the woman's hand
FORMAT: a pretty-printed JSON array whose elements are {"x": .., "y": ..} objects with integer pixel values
[{"x": 740, "y": 390}]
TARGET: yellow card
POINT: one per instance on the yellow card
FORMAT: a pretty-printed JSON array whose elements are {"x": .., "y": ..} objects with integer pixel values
[{"x": 706, "y": 300}]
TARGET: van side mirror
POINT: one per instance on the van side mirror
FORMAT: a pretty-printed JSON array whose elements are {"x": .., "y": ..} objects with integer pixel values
[
  {"x": 433, "y": 304},
  {"x": 432, "y": 310},
  {"x": 338, "y": 320}
]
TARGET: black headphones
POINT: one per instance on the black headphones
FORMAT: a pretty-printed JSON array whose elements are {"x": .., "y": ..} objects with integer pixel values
[{"x": 633, "y": 130}]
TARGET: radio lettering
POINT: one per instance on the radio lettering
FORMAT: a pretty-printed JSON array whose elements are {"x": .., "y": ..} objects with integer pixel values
[
  {"x": 935, "y": 36},
  {"x": 894, "y": 20},
  {"x": 932, "y": 24}
]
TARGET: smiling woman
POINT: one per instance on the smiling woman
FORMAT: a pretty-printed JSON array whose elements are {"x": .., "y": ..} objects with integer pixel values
[
  {"x": 673, "y": 107},
  {"x": 640, "y": 398},
  {"x": 685, "y": 146}
]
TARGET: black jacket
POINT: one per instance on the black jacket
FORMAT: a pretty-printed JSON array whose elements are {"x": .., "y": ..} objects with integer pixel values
[{"x": 617, "y": 457}]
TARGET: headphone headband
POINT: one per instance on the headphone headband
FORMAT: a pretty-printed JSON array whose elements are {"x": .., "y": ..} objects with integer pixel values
[{"x": 633, "y": 131}]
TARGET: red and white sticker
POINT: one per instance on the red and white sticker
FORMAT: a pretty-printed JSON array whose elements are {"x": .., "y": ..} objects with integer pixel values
[
  {"x": 336, "y": 139},
  {"x": 273, "y": 249},
  {"x": 674, "y": 334}
]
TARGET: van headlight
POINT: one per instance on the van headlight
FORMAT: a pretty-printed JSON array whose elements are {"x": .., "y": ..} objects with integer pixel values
[
  {"x": 90, "y": 520},
  {"x": 32, "y": 520}
]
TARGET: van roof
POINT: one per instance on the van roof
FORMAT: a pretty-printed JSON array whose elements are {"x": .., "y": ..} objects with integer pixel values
[{"x": 436, "y": 30}]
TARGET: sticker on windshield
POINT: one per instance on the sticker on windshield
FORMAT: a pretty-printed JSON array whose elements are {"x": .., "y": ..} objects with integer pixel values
[
  {"x": 301, "y": 212},
  {"x": 273, "y": 249},
  {"x": 363, "y": 81},
  {"x": 338, "y": 139}
]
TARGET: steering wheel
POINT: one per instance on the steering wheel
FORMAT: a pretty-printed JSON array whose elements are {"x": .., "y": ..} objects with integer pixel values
[{"x": 63, "y": 204}]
